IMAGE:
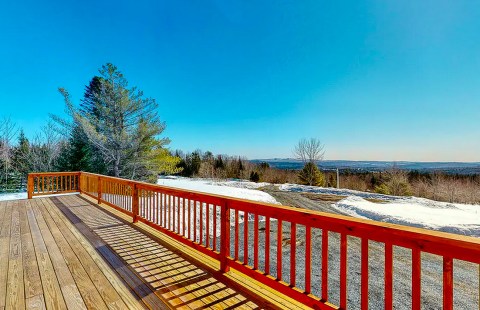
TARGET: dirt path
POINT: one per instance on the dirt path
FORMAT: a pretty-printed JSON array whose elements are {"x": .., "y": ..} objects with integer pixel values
[{"x": 299, "y": 200}]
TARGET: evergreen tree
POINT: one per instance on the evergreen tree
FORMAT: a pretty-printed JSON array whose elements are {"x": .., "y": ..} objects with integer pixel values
[
  {"x": 310, "y": 152},
  {"x": 395, "y": 182},
  {"x": 21, "y": 155},
  {"x": 121, "y": 128},
  {"x": 240, "y": 165},
  {"x": 208, "y": 157},
  {"x": 264, "y": 165},
  {"x": 219, "y": 164},
  {"x": 195, "y": 163},
  {"x": 310, "y": 175},
  {"x": 75, "y": 153},
  {"x": 254, "y": 176}
]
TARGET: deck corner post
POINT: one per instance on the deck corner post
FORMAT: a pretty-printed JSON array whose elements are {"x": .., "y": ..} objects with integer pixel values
[
  {"x": 79, "y": 183},
  {"x": 225, "y": 236},
  {"x": 30, "y": 186},
  {"x": 135, "y": 202},
  {"x": 99, "y": 189}
]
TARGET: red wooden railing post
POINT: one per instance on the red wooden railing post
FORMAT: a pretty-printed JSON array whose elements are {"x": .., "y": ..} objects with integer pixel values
[
  {"x": 79, "y": 182},
  {"x": 447, "y": 283},
  {"x": 99, "y": 189},
  {"x": 224, "y": 236},
  {"x": 135, "y": 202},
  {"x": 30, "y": 186}
]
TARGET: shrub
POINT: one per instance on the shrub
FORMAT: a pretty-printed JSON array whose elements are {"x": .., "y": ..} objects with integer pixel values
[
  {"x": 310, "y": 175},
  {"x": 254, "y": 176}
]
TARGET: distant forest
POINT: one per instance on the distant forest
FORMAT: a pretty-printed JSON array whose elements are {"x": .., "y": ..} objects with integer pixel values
[{"x": 441, "y": 186}]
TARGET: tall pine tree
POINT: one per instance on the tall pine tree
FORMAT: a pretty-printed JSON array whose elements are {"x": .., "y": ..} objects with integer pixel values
[{"x": 121, "y": 128}]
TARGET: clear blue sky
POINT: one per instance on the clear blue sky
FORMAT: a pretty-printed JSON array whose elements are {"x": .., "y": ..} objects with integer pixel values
[{"x": 374, "y": 80}]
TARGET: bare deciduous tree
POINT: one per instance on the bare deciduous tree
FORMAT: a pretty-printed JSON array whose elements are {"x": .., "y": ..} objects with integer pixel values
[
  {"x": 8, "y": 132},
  {"x": 311, "y": 150},
  {"x": 45, "y": 149}
]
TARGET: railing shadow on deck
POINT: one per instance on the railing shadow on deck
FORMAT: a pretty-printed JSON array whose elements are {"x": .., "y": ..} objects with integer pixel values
[
  {"x": 179, "y": 282},
  {"x": 292, "y": 251}
]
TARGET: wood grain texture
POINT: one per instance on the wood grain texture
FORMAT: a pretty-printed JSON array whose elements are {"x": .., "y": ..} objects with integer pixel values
[
  {"x": 15, "y": 298},
  {"x": 51, "y": 288},
  {"x": 87, "y": 289},
  {"x": 99, "y": 280},
  {"x": 5, "y": 211},
  {"x": 45, "y": 266},
  {"x": 70, "y": 291},
  {"x": 31, "y": 275},
  {"x": 102, "y": 274},
  {"x": 176, "y": 280},
  {"x": 143, "y": 291}
]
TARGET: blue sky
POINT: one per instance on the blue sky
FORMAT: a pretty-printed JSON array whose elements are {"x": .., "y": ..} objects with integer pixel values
[{"x": 374, "y": 80}]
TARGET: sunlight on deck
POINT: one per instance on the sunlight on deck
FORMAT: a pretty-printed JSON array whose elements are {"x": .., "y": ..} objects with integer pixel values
[{"x": 68, "y": 252}]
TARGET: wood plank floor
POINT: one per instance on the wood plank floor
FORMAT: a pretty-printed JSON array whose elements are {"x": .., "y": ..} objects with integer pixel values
[
  {"x": 165, "y": 274},
  {"x": 46, "y": 264},
  {"x": 66, "y": 252}
]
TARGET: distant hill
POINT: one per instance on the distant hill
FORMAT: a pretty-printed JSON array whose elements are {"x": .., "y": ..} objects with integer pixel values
[{"x": 447, "y": 167}]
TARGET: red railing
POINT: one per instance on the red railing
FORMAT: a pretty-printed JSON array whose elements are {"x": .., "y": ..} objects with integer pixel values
[
  {"x": 279, "y": 245},
  {"x": 50, "y": 183}
]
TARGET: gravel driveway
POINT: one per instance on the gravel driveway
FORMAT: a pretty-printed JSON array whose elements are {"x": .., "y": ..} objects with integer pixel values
[{"x": 466, "y": 275}]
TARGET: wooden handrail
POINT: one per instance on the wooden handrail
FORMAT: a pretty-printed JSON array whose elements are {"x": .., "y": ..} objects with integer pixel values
[
  {"x": 48, "y": 183},
  {"x": 211, "y": 224}
]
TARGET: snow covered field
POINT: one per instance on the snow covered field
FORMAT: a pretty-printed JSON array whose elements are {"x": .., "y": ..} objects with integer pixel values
[
  {"x": 412, "y": 211},
  {"x": 13, "y": 196},
  {"x": 238, "y": 189}
]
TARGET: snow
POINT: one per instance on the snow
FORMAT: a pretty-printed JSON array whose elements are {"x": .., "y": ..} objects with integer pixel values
[
  {"x": 13, "y": 196},
  {"x": 232, "y": 188},
  {"x": 332, "y": 191},
  {"x": 17, "y": 196},
  {"x": 412, "y": 211}
]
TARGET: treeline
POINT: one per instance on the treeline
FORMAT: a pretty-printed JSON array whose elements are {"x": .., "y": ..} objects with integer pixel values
[
  {"x": 454, "y": 188},
  {"x": 20, "y": 155},
  {"x": 207, "y": 165}
]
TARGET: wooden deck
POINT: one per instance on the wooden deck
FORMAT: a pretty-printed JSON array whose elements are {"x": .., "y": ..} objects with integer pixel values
[{"x": 67, "y": 252}]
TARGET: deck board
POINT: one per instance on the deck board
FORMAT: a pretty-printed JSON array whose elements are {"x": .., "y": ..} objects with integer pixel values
[
  {"x": 88, "y": 291},
  {"x": 5, "y": 249},
  {"x": 15, "y": 287},
  {"x": 31, "y": 276},
  {"x": 67, "y": 252},
  {"x": 41, "y": 268},
  {"x": 105, "y": 289},
  {"x": 70, "y": 290},
  {"x": 177, "y": 281},
  {"x": 51, "y": 288}
]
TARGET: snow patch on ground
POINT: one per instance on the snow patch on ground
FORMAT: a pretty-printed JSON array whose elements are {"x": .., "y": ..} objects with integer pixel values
[
  {"x": 412, "y": 211},
  {"x": 232, "y": 188},
  {"x": 13, "y": 196}
]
